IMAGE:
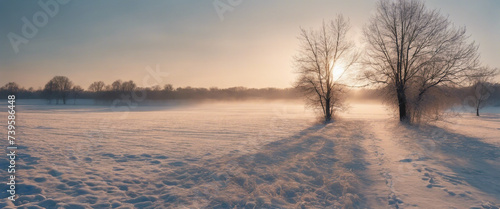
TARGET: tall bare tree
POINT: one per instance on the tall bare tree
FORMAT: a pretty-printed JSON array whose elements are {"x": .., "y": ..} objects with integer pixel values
[
  {"x": 322, "y": 52},
  {"x": 412, "y": 49}
]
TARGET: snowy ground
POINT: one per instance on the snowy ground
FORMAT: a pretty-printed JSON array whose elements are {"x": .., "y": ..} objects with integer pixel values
[
  {"x": 251, "y": 155},
  {"x": 448, "y": 164}
]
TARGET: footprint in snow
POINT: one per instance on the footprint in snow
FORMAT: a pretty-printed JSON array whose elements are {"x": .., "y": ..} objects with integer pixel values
[{"x": 406, "y": 160}]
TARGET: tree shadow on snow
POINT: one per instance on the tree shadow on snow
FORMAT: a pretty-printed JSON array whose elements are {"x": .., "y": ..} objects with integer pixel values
[
  {"x": 316, "y": 168},
  {"x": 472, "y": 160}
]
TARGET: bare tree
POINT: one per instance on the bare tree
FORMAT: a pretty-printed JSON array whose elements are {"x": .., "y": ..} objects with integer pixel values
[
  {"x": 168, "y": 87},
  {"x": 117, "y": 85},
  {"x": 481, "y": 88},
  {"x": 75, "y": 92},
  {"x": 59, "y": 86},
  {"x": 156, "y": 88},
  {"x": 11, "y": 88},
  {"x": 49, "y": 91},
  {"x": 322, "y": 53},
  {"x": 412, "y": 49},
  {"x": 128, "y": 86},
  {"x": 97, "y": 86}
]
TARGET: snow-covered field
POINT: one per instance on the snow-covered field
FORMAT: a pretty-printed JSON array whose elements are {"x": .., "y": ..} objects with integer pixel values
[{"x": 251, "y": 155}]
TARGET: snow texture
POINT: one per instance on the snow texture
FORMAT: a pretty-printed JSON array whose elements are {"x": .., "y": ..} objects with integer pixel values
[{"x": 250, "y": 155}]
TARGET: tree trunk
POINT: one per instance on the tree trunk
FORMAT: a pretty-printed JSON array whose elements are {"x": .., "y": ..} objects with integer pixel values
[
  {"x": 328, "y": 114},
  {"x": 477, "y": 112},
  {"x": 402, "y": 105}
]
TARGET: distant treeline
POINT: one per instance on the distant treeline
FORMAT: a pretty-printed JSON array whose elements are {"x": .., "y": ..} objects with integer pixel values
[{"x": 60, "y": 89}]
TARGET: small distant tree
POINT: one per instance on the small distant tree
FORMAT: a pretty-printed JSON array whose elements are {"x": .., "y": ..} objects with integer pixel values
[
  {"x": 76, "y": 91},
  {"x": 128, "y": 86},
  {"x": 49, "y": 91},
  {"x": 58, "y": 87},
  {"x": 156, "y": 88},
  {"x": 168, "y": 87},
  {"x": 97, "y": 86},
  {"x": 117, "y": 85},
  {"x": 11, "y": 88},
  {"x": 481, "y": 88},
  {"x": 321, "y": 54}
]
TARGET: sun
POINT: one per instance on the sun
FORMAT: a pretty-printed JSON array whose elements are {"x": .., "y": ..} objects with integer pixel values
[{"x": 338, "y": 71}]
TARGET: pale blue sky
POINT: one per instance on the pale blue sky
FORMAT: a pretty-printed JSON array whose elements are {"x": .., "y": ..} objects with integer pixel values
[{"x": 252, "y": 46}]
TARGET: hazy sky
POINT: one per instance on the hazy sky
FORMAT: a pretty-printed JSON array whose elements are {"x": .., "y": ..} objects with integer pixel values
[{"x": 251, "y": 46}]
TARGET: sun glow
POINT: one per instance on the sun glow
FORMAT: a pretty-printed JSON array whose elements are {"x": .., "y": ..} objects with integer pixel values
[{"x": 338, "y": 71}]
